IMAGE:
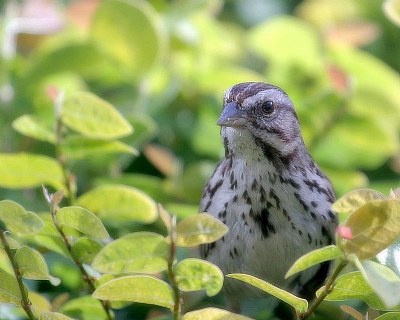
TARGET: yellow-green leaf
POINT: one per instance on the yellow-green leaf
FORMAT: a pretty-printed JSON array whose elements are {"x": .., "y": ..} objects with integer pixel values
[
  {"x": 134, "y": 27},
  {"x": 85, "y": 307},
  {"x": 141, "y": 252},
  {"x": 24, "y": 170},
  {"x": 137, "y": 288},
  {"x": 93, "y": 117},
  {"x": 353, "y": 286},
  {"x": 32, "y": 265},
  {"x": 39, "y": 303},
  {"x": 9, "y": 289},
  {"x": 374, "y": 227},
  {"x": 85, "y": 249},
  {"x": 213, "y": 314},
  {"x": 353, "y": 200},
  {"x": 77, "y": 147},
  {"x": 18, "y": 220},
  {"x": 389, "y": 316},
  {"x": 314, "y": 257},
  {"x": 382, "y": 280},
  {"x": 34, "y": 127},
  {"x": 119, "y": 203},
  {"x": 196, "y": 274},
  {"x": 83, "y": 220},
  {"x": 199, "y": 229},
  {"x": 299, "y": 304},
  {"x": 49, "y": 237}
]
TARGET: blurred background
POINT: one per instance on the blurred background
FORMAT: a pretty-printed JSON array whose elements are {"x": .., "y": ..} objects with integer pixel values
[{"x": 165, "y": 65}]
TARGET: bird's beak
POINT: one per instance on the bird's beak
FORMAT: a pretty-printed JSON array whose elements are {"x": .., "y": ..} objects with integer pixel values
[{"x": 231, "y": 116}]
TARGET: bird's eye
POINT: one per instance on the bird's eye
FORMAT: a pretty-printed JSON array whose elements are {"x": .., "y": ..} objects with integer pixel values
[{"x": 267, "y": 107}]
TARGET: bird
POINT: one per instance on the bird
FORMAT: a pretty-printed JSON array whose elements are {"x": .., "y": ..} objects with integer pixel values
[{"x": 269, "y": 192}]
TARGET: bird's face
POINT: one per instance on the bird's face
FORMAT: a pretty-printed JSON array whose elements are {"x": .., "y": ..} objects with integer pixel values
[{"x": 262, "y": 111}]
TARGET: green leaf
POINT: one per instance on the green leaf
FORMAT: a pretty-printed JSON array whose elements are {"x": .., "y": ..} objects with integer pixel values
[
  {"x": 32, "y": 265},
  {"x": 213, "y": 314},
  {"x": 199, "y": 229},
  {"x": 196, "y": 274},
  {"x": 76, "y": 147},
  {"x": 119, "y": 203},
  {"x": 382, "y": 280},
  {"x": 18, "y": 220},
  {"x": 389, "y": 316},
  {"x": 85, "y": 249},
  {"x": 39, "y": 303},
  {"x": 87, "y": 308},
  {"x": 9, "y": 289},
  {"x": 353, "y": 286},
  {"x": 12, "y": 243},
  {"x": 24, "y": 170},
  {"x": 141, "y": 252},
  {"x": 374, "y": 227},
  {"x": 353, "y": 200},
  {"x": 314, "y": 257},
  {"x": 300, "y": 305},
  {"x": 34, "y": 127},
  {"x": 137, "y": 288},
  {"x": 82, "y": 220},
  {"x": 49, "y": 237},
  {"x": 137, "y": 38},
  {"x": 93, "y": 117},
  {"x": 48, "y": 315}
]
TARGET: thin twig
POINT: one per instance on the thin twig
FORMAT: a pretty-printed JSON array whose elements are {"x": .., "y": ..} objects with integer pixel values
[
  {"x": 25, "y": 302},
  {"x": 327, "y": 288}
]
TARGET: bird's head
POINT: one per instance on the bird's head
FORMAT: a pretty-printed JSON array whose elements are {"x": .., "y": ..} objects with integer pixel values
[{"x": 256, "y": 112}]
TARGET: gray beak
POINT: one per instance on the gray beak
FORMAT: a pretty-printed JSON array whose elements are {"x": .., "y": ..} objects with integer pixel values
[{"x": 231, "y": 116}]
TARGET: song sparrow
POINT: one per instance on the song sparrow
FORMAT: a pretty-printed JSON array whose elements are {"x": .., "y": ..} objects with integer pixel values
[{"x": 269, "y": 192}]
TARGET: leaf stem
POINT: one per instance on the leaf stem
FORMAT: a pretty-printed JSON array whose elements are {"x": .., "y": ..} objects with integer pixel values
[
  {"x": 327, "y": 288},
  {"x": 25, "y": 302},
  {"x": 85, "y": 276},
  {"x": 171, "y": 274}
]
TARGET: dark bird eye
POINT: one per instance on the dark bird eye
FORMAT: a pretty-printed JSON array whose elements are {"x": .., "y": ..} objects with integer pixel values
[{"x": 267, "y": 107}]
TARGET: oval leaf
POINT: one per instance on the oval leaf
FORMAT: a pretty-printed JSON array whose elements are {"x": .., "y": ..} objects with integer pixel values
[
  {"x": 389, "y": 315},
  {"x": 382, "y": 280},
  {"x": 196, "y": 274},
  {"x": 18, "y": 220},
  {"x": 34, "y": 127},
  {"x": 374, "y": 227},
  {"x": 199, "y": 229},
  {"x": 9, "y": 289},
  {"x": 85, "y": 249},
  {"x": 214, "y": 314},
  {"x": 84, "y": 308},
  {"x": 119, "y": 203},
  {"x": 33, "y": 266},
  {"x": 301, "y": 305},
  {"x": 133, "y": 26},
  {"x": 143, "y": 252},
  {"x": 353, "y": 200},
  {"x": 23, "y": 170},
  {"x": 314, "y": 257},
  {"x": 138, "y": 288},
  {"x": 93, "y": 117},
  {"x": 83, "y": 220},
  {"x": 353, "y": 286}
]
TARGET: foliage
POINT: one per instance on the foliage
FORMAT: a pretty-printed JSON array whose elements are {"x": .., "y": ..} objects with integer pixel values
[{"x": 112, "y": 106}]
